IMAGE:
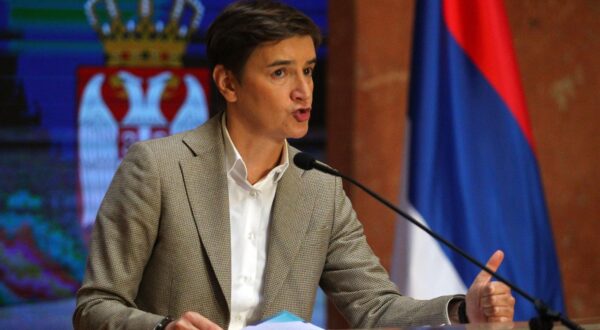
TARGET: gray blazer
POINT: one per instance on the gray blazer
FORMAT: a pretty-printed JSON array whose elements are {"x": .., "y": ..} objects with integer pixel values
[{"x": 161, "y": 245}]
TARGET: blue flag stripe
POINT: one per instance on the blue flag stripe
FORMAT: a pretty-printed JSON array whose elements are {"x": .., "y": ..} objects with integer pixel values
[{"x": 473, "y": 176}]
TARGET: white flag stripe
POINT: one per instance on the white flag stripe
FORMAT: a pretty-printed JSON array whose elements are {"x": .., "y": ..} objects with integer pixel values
[{"x": 420, "y": 267}]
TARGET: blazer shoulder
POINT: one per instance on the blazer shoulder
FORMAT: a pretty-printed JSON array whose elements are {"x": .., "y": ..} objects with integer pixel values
[
  {"x": 318, "y": 180},
  {"x": 187, "y": 143}
]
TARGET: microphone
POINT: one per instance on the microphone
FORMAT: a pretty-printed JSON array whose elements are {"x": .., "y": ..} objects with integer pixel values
[
  {"x": 546, "y": 317},
  {"x": 307, "y": 162}
]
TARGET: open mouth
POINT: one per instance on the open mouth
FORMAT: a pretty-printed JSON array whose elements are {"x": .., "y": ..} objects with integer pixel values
[{"x": 302, "y": 114}]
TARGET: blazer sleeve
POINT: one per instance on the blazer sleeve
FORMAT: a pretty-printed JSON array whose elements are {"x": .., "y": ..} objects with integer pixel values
[
  {"x": 121, "y": 244},
  {"x": 360, "y": 287}
]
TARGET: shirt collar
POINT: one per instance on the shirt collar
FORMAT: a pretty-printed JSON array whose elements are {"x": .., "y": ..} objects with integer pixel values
[{"x": 235, "y": 164}]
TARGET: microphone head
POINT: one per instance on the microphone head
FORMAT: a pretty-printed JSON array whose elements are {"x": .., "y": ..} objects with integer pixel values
[{"x": 304, "y": 161}]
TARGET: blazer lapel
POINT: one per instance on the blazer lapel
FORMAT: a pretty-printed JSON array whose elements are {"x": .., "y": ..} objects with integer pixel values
[
  {"x": 292, "y": 209},
  {"x": 206, "y": 186}
]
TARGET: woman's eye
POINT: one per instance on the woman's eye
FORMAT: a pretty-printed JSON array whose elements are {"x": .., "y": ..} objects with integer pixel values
[
  {"x": 278, "y": 73},
  {"x": 308, "y": 71}
]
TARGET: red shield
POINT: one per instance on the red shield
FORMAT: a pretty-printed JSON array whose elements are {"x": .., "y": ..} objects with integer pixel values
[{"x": 120, "y": 106}]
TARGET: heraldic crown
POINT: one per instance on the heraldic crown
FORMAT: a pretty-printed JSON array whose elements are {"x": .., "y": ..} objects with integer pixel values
[{"x": 144, "y": 43}]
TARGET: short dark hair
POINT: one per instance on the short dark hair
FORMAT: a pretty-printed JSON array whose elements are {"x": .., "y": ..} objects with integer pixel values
[{"x": 244, "y": 25}]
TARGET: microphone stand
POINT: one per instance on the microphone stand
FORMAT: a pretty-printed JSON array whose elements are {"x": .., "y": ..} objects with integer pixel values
[{"x": 546, "y": 316}]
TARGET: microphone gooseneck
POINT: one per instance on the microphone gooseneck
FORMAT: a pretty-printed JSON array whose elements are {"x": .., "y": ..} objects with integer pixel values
[{"x": 307, "y": 162}]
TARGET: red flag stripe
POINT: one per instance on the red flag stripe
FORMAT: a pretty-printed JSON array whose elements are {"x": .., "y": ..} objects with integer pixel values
[{"x": 481, "y": 29}]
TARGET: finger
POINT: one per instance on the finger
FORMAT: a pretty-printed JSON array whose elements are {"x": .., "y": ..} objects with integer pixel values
[
  {"x": 179, "y": 325},
  {"x": 494, "y": 288},
  {"x": 199, "y": 321},
  {"x": 498, "y": 300},
  {"x": 498, "y": 311},
  {"x": 499, "y": 320},
  {"x": 493, "y": 264}
]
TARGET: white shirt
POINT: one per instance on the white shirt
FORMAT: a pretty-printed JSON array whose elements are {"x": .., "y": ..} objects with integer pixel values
[{"x": 249, "y": 216}]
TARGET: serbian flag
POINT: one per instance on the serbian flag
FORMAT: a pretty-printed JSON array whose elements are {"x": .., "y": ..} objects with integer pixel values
[{"x": 472, "y": 173}]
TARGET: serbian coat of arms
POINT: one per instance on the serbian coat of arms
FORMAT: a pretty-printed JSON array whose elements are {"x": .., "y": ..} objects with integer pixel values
[{"x": 142, "y": 93}]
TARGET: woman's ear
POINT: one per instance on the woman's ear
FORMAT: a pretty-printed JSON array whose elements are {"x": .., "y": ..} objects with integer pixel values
[{"x": 225, "y": 82}]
